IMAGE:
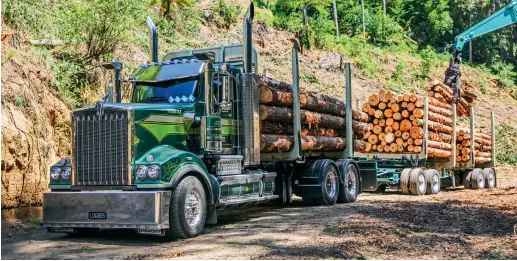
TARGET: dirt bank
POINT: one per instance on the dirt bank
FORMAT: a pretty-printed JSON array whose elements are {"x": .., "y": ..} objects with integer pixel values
[{"x": 456, "y": 224}]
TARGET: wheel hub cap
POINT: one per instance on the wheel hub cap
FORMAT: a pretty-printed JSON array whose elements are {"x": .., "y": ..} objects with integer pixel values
[
  {"x": 331, "y": 184},
  {"x": 192, "y": 208},
  {"x": 421, "y": 182},
  {"x": 351, "y": 182}
]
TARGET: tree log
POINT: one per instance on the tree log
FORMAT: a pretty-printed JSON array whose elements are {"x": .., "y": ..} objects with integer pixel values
[
  {"x": 439, "y": 118},
  {"x": 309, "y": 101},
  {"x": 483, "y": 154},
  {"x": 441, "y": 111},
  {"x": 439, "y": 127},
  {"x": 268, "y": 127},
  {"x": 482, "y": 160},
  {"x": 440, "y": 137},
  {"x": 311, "y": 119},
  {"x": 439, "y": 145},
  {"x": 438, "y": 153},
  {"x": 284, "y": 143}
]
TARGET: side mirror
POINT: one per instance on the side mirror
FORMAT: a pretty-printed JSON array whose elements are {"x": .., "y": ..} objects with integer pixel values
[{"x": 117, "y": 68}]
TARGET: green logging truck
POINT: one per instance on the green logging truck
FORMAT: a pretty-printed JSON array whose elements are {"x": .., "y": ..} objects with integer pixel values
[{"x": 189, "y": 143}]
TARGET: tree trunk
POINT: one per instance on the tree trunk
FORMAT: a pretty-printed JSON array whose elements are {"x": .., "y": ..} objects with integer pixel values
[
  {"x": 268, "y": 127},
  {"x": 439, "y": 137},
  {"x": 439, "y": 145},
  {"x": 311, "y": 119},
  {"x": 284, "y": 143},
  {"x": 439, "y": 127},
  {"x": 438, "y": 153},
  {"x": 272, "y": 92}
]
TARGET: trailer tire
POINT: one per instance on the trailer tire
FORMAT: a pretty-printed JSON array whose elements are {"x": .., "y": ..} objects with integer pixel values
[
  {"x": 432, "y": 178},
  {"x": 349, "y": 189},
  {"x": 466, "y": 179},
  {"x": 490, "y": 178},
  {"x": 404, "y": 181},
  {"x": 189, "y": 192},
  {"x": 477, "y": 179},
  {"x": 329, "y": 185},
  {"x": 417, "y": 184}
]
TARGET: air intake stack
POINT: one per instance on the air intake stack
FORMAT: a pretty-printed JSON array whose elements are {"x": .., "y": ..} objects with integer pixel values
[{"x": 153, "y": 41}]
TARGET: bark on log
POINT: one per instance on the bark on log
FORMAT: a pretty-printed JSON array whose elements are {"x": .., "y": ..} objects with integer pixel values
[
  {"x": 439, "y": 127},
  {"x": 309, "y": 101},
  {"x": 438, "y": 153},
  {"x": 440, "y": 137},
  {"x": 483, "y": 154},
  {"x": 441, "y": 111},
  {"x": 311, "y": 119},
  {"x": 284, "y": 143},
  {"x": 268, "y": 127},
  {"x": 482, "y": 160},
  {"x": 439, "y": 118},
  {"x": 439, "y": 145},
  {"x": 437, "y": 103}
]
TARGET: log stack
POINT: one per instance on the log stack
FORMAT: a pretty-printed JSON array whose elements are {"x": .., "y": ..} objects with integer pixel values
[
  {"x": 322, "y": 118},
  {"x": 482, "y": 147},
  {"x": 396, "y": 124},
  {"x": 443, "y": 93}
]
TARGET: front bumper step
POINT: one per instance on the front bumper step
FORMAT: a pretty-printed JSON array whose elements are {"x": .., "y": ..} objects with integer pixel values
[{"x": 107, "y": 209}]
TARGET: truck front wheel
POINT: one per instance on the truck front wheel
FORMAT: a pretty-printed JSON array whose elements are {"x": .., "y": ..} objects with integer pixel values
[{"x": 188, "y": 209}]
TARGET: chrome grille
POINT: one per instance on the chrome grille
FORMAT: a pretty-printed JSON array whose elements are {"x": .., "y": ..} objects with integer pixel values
[{"x": 101, "y": 148}]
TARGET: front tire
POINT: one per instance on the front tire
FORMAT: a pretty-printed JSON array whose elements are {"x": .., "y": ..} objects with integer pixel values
[{"x": 188, "y": 209}]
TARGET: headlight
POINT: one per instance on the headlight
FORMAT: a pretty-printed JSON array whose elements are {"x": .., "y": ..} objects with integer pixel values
[
  {"x": 153, "y": 172},
  {"x": 65, "y": 173},
  {"x": 141, "y": 171},
  {"x": 55, "y": 173}
]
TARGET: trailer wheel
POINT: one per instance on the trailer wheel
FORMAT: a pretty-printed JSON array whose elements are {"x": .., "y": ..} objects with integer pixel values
[
  {"x": 188, "y": 209},
  {"x": 349, "y": 190},
  {"x": 490, "y": 179},
  {"x": 477, "y": 179},
  {"x": 417, "y": 184},
  {"x": 329, "y": 186},
  {"x": 404, "y": 181},
  {"x": 466, "y": 179},
  {"x": 432, "y": 178}
]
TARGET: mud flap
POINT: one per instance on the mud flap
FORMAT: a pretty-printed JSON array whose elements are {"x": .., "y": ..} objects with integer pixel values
[
  {"x": 211, "y": 217},
  {"x": 368, "y": 173}
]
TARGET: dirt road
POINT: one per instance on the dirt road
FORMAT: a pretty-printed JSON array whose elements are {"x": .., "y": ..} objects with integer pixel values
[{"x": 456, "y": 224}]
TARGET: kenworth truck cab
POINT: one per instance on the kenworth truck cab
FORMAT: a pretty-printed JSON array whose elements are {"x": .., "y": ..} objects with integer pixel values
[{"x": 187, "y": 144}]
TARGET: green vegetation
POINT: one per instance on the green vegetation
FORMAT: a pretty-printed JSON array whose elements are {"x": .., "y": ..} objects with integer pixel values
[
  {"x": 225, "y": 14},
  {"x": 506, "y": 143}
]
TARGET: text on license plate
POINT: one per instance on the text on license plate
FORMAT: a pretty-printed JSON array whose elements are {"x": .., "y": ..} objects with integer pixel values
[{"x": 97, "y": 215}]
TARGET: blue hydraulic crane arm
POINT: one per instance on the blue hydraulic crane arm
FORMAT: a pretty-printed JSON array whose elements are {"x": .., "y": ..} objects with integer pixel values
[{"x": 502, "y": 18}]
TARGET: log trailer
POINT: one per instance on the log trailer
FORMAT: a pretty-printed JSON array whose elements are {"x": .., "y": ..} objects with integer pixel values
[{"x": 187, "y": 145}]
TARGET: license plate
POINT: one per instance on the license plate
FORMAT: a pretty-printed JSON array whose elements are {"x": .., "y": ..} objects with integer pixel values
[
  {"x": 62, "y": 229},
  {"x": 97, "y": 215},
  {"x": 148, "y": 231}
]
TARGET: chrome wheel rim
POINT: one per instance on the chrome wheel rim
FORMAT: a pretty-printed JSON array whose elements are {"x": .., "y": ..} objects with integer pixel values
[
  {"x": 436, "y": 181},
  {"x": 421, "y": 183},
  {"x": 490, "y": 179},
  {"x": 481, "y": 181},
  {"x": 351, "y": 182},
  {"x": 193, "y": 208},
  {"x": 331, "y": 184}
]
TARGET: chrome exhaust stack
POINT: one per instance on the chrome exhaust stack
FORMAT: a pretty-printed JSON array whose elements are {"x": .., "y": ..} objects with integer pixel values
[
  {"x": 250, "y": 97},
  {"x": 153, "y": 40}
]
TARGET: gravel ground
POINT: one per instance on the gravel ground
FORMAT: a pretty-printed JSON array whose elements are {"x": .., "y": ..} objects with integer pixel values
[{"x": 456, "y": 224}]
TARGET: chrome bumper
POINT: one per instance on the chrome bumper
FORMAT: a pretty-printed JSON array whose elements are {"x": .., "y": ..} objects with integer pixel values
[{"x": 137, "y": 209}]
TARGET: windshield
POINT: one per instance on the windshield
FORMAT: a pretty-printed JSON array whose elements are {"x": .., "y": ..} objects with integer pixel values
[{"x": 169, "y": 92}]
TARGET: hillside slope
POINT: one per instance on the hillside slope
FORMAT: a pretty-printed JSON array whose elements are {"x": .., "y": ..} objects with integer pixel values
[{"x": 35, "y": 118}]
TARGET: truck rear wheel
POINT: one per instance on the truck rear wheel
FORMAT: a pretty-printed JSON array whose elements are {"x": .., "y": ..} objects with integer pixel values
[
  {"x": 489, "y": 175},
  {"x": 417, "y": 184},
  {"x": 349, "y": 189},
  {"x": 329, "y": 186},
  {"x": 466, "y": 179},
  {"x": 432, "y": 179},
  {"x": 477, "y": 179},
  {"x": 188, "y": 209}
]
